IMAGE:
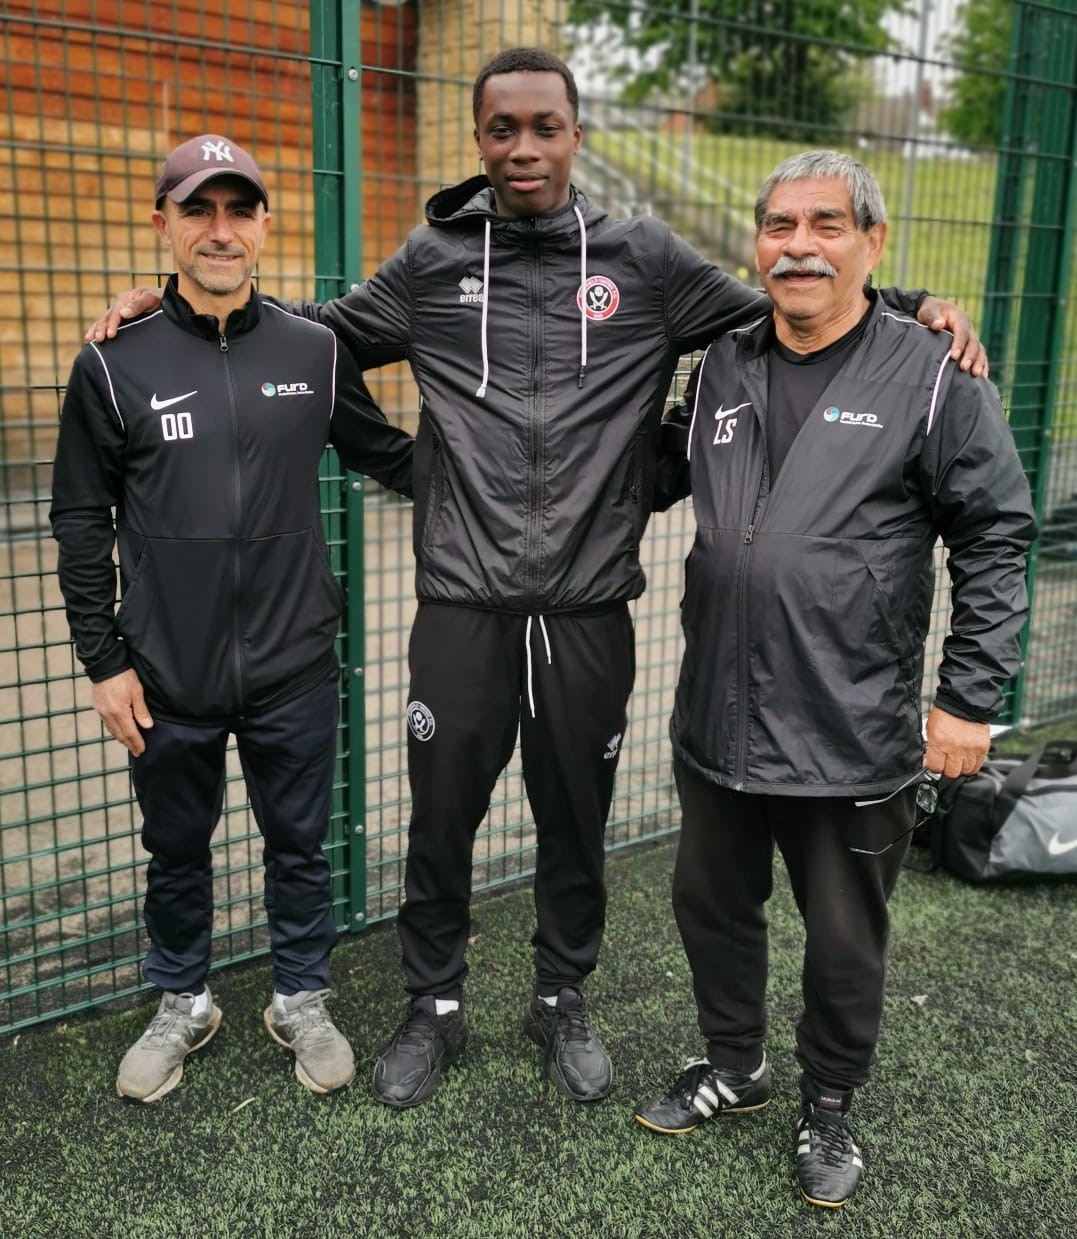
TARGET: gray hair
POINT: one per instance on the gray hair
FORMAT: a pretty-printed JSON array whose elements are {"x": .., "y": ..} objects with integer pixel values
[{"x": 865, "y": 195}]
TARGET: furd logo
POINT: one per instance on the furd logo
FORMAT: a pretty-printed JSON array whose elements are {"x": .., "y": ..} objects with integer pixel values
[
  {"x": 286, "y": 389},
  {"x": 846, "y": 418}
]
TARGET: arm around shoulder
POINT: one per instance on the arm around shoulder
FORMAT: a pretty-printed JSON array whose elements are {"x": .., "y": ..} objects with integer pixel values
[
  {"x": 703, "y": 301},
  {"x": 374, "y": 319},
  {"x": 364, "y": 440}
]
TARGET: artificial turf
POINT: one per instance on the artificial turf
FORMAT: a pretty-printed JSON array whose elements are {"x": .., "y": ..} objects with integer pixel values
[{"x": 969, "y": 1125}]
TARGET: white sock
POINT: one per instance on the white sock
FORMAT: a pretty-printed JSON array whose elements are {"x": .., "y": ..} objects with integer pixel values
[
  {"x": 442, "y": 1006},
  {"x": 278, "y": 1003},
  {"x": 201, "y": 1004},
  {"x": 549, "y": 999}
]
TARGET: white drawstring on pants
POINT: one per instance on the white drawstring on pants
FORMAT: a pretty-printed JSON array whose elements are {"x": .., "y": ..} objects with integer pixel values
[{"x": 549, "y": 659}]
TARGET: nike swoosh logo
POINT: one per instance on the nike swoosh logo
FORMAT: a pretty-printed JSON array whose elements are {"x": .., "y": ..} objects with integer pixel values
[
  {"x": 1056, "y": 848},
  {"x": 163, "y": 404},
  {"x": 724, "y": 412}
]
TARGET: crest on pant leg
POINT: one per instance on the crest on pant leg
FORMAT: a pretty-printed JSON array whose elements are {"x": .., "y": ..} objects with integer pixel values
[{"x": 420, "y": 720}]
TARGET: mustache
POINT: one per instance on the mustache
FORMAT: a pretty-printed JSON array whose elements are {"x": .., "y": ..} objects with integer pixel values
[{"x": 801, "y": 266}]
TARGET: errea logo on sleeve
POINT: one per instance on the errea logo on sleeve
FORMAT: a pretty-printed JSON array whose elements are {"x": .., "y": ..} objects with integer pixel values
[{"x": 286, "y": 389}]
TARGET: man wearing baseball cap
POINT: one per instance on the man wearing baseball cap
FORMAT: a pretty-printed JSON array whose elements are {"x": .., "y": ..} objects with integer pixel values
[
  {"x": 199, "y": 160},
  {"x": 202, "y": 426}
]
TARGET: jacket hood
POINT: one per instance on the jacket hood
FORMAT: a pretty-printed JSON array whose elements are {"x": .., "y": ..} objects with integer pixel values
[
  {"x": 471, "y": 204},
  {"x": 473, "y": 200}
]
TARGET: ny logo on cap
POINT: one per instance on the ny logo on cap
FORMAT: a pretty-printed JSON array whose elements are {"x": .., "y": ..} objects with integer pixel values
[{"x": 217, "y": 150}]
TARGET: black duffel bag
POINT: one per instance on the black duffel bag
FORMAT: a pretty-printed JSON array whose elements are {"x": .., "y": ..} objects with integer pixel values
[{"x": 1013, "y": 821}]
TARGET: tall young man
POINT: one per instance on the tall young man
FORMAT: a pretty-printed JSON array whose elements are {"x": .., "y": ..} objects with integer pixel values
[{"x": 543, "y": 335}]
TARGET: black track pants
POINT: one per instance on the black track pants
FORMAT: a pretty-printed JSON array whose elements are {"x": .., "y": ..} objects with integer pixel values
[
  {"x": 722, "y": 880},
  {"x": 288, "y": 756},
  {"x": 474, "y": 675}
]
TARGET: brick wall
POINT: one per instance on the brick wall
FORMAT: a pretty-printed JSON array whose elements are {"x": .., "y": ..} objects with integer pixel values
[{"x": 92, "y": 104}]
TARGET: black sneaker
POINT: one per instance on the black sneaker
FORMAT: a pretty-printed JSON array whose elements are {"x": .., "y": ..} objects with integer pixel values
[
  {"x": 576, "y": 1061},
  {"x": 700, "y": 1092},
  {"x": 409, "y": 1070},
  {"x": 829, "y": 1162}
]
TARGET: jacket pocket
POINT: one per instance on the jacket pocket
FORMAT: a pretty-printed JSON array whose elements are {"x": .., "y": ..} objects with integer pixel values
[
  {"x": 175, "y": 618},
  {"x": 290, "y": 605},
  {"x": 638, "y": 488},
  {"x": 432, "y": 497}
]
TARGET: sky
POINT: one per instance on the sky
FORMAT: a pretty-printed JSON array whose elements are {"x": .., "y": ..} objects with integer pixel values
[{"x": 941, "y": 16}]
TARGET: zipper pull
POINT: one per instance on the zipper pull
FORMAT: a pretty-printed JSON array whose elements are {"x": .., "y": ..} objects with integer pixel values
[
  {"x": 224, "y": 344},
  {"x": 749, "y": 535}
]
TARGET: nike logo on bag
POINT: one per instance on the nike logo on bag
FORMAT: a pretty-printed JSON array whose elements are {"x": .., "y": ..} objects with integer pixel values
[
  {"x": 163, "y": 404},
  {"x": 1055, "y": 846}
]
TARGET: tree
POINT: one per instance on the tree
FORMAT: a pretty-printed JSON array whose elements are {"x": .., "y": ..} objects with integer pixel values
[
  {"x": 980, "y": 48},
  {"x": 786, "y": 66}
]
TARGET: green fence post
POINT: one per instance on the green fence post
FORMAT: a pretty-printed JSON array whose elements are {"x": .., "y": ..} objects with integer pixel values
[
  {"x": 1035, "y": 196},
  {"x": 335, "y": 90},
  {"x": 1006, "y": 234}
]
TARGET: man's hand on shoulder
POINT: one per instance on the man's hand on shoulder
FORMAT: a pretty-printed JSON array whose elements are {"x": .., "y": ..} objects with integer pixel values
[
  {"x": 122, "y": 707},
  {"x": 955, "y": 746},
  {"x": 128, "y": 305},
  {"x": 967, "y": 350}
]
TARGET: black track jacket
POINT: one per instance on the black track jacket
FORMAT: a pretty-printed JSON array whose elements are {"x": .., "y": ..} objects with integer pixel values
[
  {"x": 543, "y": 349},
  {"x": 807, "y": 603},
  {"x": 207, "y": 447}
]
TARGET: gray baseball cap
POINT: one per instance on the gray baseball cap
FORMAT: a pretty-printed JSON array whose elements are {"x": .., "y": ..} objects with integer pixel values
[{"x": 200, "y": 159}]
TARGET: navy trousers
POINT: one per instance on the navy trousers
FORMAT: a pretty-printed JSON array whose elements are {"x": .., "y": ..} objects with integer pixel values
[
  {"x": 474, "y": 677},
  {"x": 288, "y": 756}
]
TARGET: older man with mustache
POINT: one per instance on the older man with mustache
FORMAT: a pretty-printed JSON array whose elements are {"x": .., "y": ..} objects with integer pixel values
[{"x": 827, "y": 447}]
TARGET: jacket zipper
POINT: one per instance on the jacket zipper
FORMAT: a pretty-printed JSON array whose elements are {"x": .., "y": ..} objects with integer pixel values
[
  {"x": 740, "y": 765},
  {"x": 743, "y": 660},
  {"x": 237, "y": 494},
  {"x": 533, "y": 545},
  {"x": 433, "y": 501}
]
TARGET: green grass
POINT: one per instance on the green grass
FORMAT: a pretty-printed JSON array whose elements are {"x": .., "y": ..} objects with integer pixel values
[
  {"x": 951, "y": 206},
  {"x": 969, "y": 1124},
  {"x": 939, "y": 233}
]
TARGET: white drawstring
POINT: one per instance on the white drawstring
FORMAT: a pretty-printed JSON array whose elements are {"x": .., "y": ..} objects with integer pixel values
[
  {"x": 481, "y": 393},
  {"x": 583, "y": 293},
  {"x": 549, "y": 659}
]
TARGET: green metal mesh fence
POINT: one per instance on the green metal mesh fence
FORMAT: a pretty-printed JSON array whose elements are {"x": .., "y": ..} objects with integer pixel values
[{"x": 686, "y": 107}]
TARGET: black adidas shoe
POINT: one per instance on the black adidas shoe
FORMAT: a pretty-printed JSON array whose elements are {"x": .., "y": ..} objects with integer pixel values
[
  {"x": 576, "y": 1061},
  {"x": 829, "y": 1162},
  {"x": 409, "y": 1070},
  {"x": 700, "y": 1092}
]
